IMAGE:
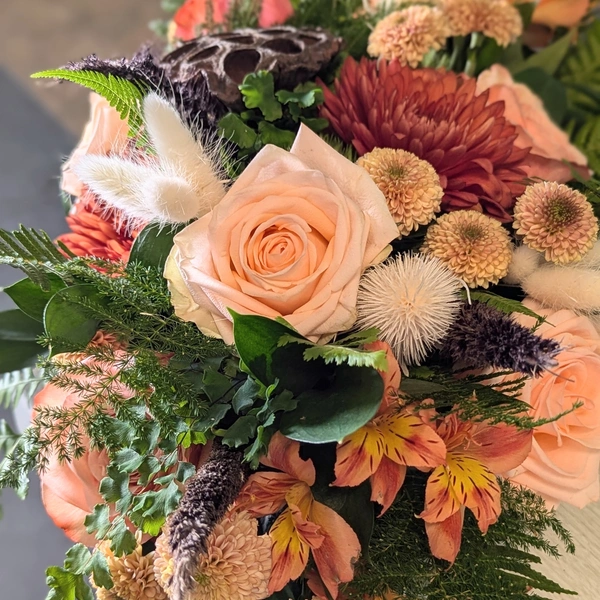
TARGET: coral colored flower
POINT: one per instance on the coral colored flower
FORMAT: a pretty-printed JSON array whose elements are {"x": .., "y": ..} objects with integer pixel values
[
  {"x": 556, "y": 220},
  {"x": 97, "y": 232},
  {"x": 196, "y": 14},
  {"x": 104, "y": 133},
  {"x": 564, "y": 462},
  {"x": 474, "y": 247},
  {"x": 382, "y": 449},
  {"x": 291, "y": 238},
  {"x": 439, "y": 117},
  {"x": 477, "y": 452},
  {"x": 549, "y": 144},
  {"x": 409, "y": 34},
  {"x": 305, "y": 526},
  {"x": 235, "y": 566},
  {"x": 560, "y": 13}
]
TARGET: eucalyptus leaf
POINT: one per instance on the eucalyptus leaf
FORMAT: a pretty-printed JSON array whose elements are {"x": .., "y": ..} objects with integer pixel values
[
  {"x": 31, "y": 298},
  {"x": 153, "y": 245}
]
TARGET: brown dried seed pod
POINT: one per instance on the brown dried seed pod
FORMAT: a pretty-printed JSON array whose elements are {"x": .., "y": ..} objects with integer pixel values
[{"x": 292, "y": 55}]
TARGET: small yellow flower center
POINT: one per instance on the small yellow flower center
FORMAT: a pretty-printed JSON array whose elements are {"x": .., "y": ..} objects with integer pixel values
[
  {"x": 472, "y": 232},
  {"x": 562, "y": 212},
  {"x": 396, "y": 171}
]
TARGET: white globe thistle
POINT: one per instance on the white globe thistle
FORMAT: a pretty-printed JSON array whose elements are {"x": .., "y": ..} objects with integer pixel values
[{"x": 413, "y": 301}]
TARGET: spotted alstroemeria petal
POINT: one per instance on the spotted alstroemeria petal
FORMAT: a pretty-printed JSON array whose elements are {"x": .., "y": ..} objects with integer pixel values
[
  {"x": 386, "y": 483},
  {"x": 284, "y": 455},
  {"x": 408, "y": 441},
  {"x": 445, "y": 537},
  {"x": 476, "y": 487},
  {"x": 441, "y": 502},
  {"x": 358, "y": 456},
  {"x": 264, "y": 493},
  {"x": 500, "y": 447}
]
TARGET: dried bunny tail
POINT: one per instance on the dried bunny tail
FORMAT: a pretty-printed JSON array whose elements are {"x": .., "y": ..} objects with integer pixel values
[
  {"x": 592, "y": 259},
  {"x": 523, "y": 263},
  {"x": 180, "y": 154}
]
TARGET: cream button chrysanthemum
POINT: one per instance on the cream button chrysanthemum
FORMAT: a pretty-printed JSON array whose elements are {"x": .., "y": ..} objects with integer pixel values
[
  {"x": 236, "y": 565},
  {"x": 497, "y": 19},
  {"x": 133, "y": 575},
  {"x": 410, "y": 185},
  {"x": 556, "y": 220},
  {"x": 475, "y": 247},
  {"x": 409, "y": 34}
]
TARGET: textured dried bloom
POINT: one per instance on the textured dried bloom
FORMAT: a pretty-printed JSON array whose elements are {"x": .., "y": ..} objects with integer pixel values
[
  {"x": 439, "y": 117},
  {"x": 476, "y": 248},
  {"x": 496, "y": 19},
  {"x": 412, "y": 300},
  {"x": 556, "y": 220},
  {"x": 236, "y": 565},
  {"x": 410, "y": 185},
  {"x": 97, "y": 232},
  {"x": 484, "y": 337},
  {"x": 409, "y": 34},
  {"x": 133, "y": 575}
]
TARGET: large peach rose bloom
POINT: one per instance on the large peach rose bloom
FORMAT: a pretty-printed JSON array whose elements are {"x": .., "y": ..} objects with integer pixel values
[
  {"x": 564, "y": 463},
  {"x": 549, "y": 144},
  {"x": 290, "y": 239},
  {"x": 104, "y": 133}
]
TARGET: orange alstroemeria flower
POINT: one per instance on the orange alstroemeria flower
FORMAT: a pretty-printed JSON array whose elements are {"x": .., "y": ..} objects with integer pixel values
[
  {"x": 558, "y": 13},
  {"x": 305, "y": 525},
  {"x": 382, "y": 449},
  {"x": 476, "y": 453}
]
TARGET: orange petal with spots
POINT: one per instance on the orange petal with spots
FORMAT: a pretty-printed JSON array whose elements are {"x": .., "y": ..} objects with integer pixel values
[
  {"x": 445, "y": 537},
  {"x": 358, "y": 456},
  {"x": 501, "y": 447},
  {"x": 408, "y": 441},
  {"x": 340, "y": 550},
  {"x": 441, "y": 502},
  {"x": 284, "y": 455},
  {"x": 386, "y": 483},
  {"x": 264, "y": 493}
]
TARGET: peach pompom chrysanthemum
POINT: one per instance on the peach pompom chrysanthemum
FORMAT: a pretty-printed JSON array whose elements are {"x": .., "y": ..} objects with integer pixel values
[
  {"x": 556, "y": 220},
  {"x": 236, "y": 565},
  {"x": 410, "y": 185},
  {"x": 132, "y": 575},
  {"x": 496, "y": 19},
  {"x": 409, "y": 34},
  {"x": 475, "y": 247}
]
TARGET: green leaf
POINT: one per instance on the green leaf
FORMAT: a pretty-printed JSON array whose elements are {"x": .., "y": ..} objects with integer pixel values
[
  {"x": 123, "y": 95},
  {"x": 305, "y": 95},
  {"x": 550, "y": 90},
  {"x": 18, "y": 346},
  {"x": 66, "y": 586},
  {"x": 258, "y": 91},
  {"x": 419, "y": 387},
  {"x": 216, "y": 385},
  {"x": 232, "y": 128},
  {"x": 551, "y": 57},
  {"x": 243, "y": 399},
  {"x": 8, "y": 438},
  {"x": 98, "y": 521},
  {"x": 67, "y": 318},
  {"x": 16, "y": 326},
  {"x": 505, "y": 305},
  {"x": 257, "y": 342},
  {"x": 185, "y": 470},
  {"x": 215, "y": 414},
  {"x": 317, "y": 124},
  {"x": 31, "y": 298},
  {"x": 153, "y": 245},
  {"x": 78, "y": 560},
  {"x": 241, "y": 432},
  {"x": 269, "y": 134},
  {"x": 100, "y": 571},
  {"x": 526, "y": 9},
  {"x": 122, "y": 540},
  {"x": 127, "y": 460},
  {"x": 329, "y": 415},
  {"x": 151, "y": 509},
  {"x": 115, "y": 488}
]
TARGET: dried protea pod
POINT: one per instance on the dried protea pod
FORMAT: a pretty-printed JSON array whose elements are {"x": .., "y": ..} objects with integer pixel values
[
  {"x": 209, "y": 494},
  {"x": 292, "y": 55}
]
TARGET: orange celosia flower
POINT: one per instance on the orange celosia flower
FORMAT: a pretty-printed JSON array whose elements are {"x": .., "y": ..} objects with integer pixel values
[
  {"x": 382, "y": 449},
  {"x": 305, "y": 525},
  {"x": 476, "y": 453}
]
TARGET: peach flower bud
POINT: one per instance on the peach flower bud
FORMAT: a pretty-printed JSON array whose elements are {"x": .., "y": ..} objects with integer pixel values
[
  {"x": 290, "y": 239},
  {"x": 549, "y": 145},
  {"x": 104, "y": 133},
  {"x": 564, "y": 462}
]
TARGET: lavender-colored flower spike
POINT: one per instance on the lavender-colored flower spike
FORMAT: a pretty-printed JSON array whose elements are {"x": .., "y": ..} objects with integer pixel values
[
  {"x": 209, "y": 494},
  {"x": 483, "y": 337}
]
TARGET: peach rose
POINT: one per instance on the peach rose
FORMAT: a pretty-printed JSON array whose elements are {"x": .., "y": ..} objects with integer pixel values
[
  {"x": 104, "y": 133},
  {"x": 549, "y": 144},
  {"x": 290, "y": 239},
  {"x": 564, "y": 463}
]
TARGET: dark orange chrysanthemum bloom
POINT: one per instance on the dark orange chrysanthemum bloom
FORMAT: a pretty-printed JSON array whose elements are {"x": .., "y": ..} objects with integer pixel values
[
  {"x": 438, "y": 116},
  {"x": 97, "y": 232}
]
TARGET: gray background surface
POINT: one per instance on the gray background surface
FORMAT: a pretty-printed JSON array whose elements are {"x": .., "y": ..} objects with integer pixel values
[{"x": 38, "y": 127}]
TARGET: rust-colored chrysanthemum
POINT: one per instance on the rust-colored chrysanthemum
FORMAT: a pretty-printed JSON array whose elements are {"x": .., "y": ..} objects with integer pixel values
[
  {"x": 236, "y": 566},
  {"x": 556, "y": 220},
  {"x": 410, "y": 185},
  {"x": 439, "y": 117},
  {"x": 496, "y": 19},
  {"x": 409, "y": 34},
  {"x": 476, "y": 248},
  {"x": 97, "y": 232},
  {"x": 132, "y": 575}
]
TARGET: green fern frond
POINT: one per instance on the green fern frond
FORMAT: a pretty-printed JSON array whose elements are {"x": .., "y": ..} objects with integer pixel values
[
  {"x": 16, "y": 384},
  {"x": 32, "y": 251},
  {"x": 505, "y": 305},
  {"x": 123, "y": 95}
]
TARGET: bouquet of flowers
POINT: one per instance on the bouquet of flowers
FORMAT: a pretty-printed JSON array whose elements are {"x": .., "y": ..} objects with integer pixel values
[{"x": 325, "y": 322}]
